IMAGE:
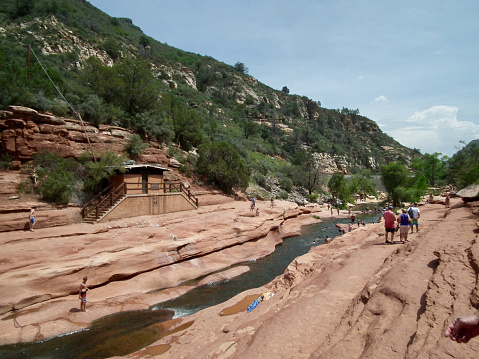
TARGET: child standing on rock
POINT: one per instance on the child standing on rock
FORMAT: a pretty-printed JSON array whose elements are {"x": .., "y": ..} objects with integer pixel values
[
  {"x": 31, "y": 219},
  {"x": 82, "y": 294}
]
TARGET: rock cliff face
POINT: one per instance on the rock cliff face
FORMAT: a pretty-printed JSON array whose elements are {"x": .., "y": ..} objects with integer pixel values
[{"x": 26, "y": 132}]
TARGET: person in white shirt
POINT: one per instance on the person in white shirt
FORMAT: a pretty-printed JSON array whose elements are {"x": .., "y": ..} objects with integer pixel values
[{"x": 414, "y": 213}]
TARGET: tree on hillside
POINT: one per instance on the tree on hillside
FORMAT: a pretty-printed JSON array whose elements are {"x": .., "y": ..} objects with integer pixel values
[
  {"x": 249, "y": 128},
  {"x": 128, "y": 85},
  {"x": 138, "y": 90},
  {"x": 310, "y": 174},
  {"x": 464, "y": 165},
  {"x": 187, "y": 126},
  {"x": 432, "y": 166},
  {"x": 221, "y": 164},
  {"x": 241, "y": 67},
  {"x": 285, "y": 90}
]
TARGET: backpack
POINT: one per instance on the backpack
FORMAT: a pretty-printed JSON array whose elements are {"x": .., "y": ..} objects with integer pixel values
[{"x": 410, "y": 212}]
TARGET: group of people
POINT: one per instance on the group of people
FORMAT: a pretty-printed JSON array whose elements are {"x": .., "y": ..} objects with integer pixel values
[
  {"x": 253, "y": 205},
  {"x": 406, "y": 220}
]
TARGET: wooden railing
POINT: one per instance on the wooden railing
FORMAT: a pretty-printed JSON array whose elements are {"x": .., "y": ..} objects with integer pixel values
[
  {"x": 87, "y": 208},
  {"x": 169, "y": 187},
  {"x": 107, "y": 198},
  {"x": 105, "y": 202}
]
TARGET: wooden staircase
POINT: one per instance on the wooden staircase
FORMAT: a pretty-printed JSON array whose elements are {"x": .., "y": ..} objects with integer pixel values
[{"x": 103, "y": 203}]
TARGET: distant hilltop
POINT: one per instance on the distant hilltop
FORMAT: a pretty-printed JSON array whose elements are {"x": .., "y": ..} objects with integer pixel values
[{"x": 113, "y": 74}]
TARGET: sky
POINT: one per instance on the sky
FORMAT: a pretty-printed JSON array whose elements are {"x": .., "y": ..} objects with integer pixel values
[{"x": 411, "y": 66}]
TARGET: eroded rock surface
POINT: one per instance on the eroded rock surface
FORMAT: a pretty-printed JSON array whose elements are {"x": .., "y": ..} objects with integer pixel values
[
  {"x": 128, "y": 262},
  {"x": 354, "y": 298}
]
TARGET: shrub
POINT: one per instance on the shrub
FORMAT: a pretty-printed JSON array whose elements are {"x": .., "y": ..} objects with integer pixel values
[
  {"x": 187, "y": 166},
  {"x": 96, "y": 172},
  {"x": 286, "y": 184},
  {"x": 5, "y": 160},
  {"x": 56, "y": 177},
  {"x": 221, "y": 164},
  {"x": 57, "y": 185},
  {"x": 313, "y": 198},
  {"x": 135, "y": 146},
  {"x": 26, "y": 186},
  {"x": 260, "y": 179},
  {"x": 283, "y": 195}
]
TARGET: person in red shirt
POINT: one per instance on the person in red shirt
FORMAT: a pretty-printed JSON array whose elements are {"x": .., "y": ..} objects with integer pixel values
[{"x": 390, "y": 224}]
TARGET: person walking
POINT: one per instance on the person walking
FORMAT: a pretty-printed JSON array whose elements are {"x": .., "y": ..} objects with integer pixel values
[
  {"x": 404, "y": 222},
  {"x": 390, "y": 224},
  {"x": 414, "y": 213}
]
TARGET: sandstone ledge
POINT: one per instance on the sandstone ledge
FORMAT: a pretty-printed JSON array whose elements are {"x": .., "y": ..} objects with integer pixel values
[
  {"x": 353, "y": 298},
  {"x": 128, "y": 263}
]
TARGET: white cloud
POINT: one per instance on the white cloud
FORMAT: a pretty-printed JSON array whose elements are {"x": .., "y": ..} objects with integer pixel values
[
  {"x": 381, "y": 99},
  {"x": 360, "y": 77},
  {"x": 436, "y": 129}
]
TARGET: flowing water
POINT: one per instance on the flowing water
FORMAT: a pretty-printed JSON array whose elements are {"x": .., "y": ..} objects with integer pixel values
[{"x": 127, "y": 332}]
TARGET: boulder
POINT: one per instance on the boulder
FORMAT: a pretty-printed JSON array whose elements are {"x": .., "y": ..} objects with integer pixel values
[
  {"x": 469, "y": 192},
  {"x": 50, "y": 119},
  {"x": 173, "y": 163},
  {"x": 15, "y": 123},
  {"x": 5, "y": 114},
  {"x": 22, "y": 110}
]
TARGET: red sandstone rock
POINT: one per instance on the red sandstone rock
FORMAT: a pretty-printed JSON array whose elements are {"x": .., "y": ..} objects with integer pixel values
[{"x": 351, "y": 297}]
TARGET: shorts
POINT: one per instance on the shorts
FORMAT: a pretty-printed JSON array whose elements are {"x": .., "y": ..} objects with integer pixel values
[
  {"x": 391, "y": 230},
  {"x": 83, "y": 299},
  {"x": 404, "y": 228},
  {"x": 32, "y": 220},
  {"x": 414, "y": 221}
]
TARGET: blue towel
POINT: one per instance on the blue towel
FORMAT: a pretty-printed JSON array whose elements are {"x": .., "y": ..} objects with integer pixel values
[{"x": 253, "y": 305}]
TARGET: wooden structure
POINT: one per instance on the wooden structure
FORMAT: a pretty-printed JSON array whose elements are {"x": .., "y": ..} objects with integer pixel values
[{"x": 141, "y": 190}]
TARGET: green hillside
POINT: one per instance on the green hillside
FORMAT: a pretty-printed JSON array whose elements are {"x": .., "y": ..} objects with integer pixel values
[{"x": 110, "y": 72}]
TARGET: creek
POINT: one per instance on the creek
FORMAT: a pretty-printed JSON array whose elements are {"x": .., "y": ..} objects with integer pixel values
[{"x": 126, "y": 332}]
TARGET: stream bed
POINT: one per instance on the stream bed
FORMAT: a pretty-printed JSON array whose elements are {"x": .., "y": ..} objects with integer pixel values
[{"x": 126, "y": 332}]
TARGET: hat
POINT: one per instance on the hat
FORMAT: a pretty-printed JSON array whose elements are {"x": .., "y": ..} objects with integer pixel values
[{"x": 390, "y": 207}]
